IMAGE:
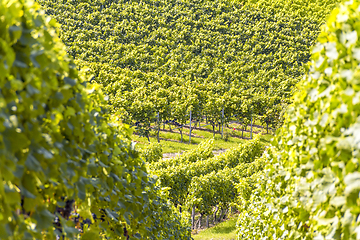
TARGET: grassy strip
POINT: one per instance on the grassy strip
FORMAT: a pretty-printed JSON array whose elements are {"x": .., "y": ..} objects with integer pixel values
[
  {"x": 222, "y": 231},
  {"x": 170, "y": 141}
]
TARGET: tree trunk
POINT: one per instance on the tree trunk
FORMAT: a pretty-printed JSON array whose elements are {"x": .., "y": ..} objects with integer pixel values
[
  {"x": 216, "y": 209},
  {"x": 190, "y": 119},
  {"x": 158, "y": 128},
  {"x": 221, "y": 213},
  {"x": 224, "y": 215},
  {"x": 267, "y": 128},
  {"x": 213, "y": 130},
  {"x": 181, "y": 134},
  {"x": 251, "y": 134},
  {"x": 158, "y": 134},
  {"x": 219, "y": 128},
  {"x": 199, "y": 226},
  {"x": 207, "y": 221},
  {"x": 193, "y": 217},
  {"x": 170, "y": 127}
]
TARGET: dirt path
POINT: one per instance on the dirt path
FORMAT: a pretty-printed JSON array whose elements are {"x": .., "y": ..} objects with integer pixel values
[{"x": 171, "y": 155}]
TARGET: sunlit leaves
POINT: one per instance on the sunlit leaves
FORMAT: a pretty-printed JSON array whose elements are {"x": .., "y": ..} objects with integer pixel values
[
  {"x": 182, "y": 56},
  {"x": 58, "y": 145},
  {"x": 179, "y": 174},
  {"x": 315, "y": 168}
]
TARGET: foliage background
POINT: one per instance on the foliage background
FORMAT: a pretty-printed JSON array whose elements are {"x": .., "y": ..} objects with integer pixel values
[
  {"x": 59, "y": 146},
  {"x": 310, "y": 189},
  {"x": 173, "y": 56}
]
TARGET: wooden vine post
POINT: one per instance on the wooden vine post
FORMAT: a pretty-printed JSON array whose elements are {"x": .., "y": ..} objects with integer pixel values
[
  {"x": 222, "y": 123},
  {"x": 158, "y": 124},
  {"x": 251, "y": 135},
  {"x": 190, "y": 129},
  {"x": 193, "y": 217}
]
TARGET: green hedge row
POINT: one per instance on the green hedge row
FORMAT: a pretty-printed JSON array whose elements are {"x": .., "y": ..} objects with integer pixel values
[{"x": 179, "y": 177}]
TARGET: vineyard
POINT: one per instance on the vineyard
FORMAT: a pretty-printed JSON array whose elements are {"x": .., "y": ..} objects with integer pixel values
[
  {"x": 80, "y": 80},
  {"x": 160, "y": 61}
]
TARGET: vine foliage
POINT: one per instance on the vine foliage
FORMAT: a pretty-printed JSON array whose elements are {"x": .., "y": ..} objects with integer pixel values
[
  {"x": 60, "y": 153},
  {"x": 168, "y": 57},
  {"x": 310, "y": 189}
]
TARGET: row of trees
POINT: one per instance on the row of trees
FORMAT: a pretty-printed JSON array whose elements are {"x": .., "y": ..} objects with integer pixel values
[
  {"x": 177, "y": 105},
  {"x": 169, "y": 57},
  {"x": 200, "y": 182}
]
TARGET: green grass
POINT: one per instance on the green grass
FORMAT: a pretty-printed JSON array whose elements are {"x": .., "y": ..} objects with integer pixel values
[
  {"x": 170, "y": 140},
  {"x": 222, "y": 231}
]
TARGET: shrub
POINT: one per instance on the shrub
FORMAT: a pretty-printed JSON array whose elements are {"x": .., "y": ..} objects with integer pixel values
[{"x": 152, "y": 153}]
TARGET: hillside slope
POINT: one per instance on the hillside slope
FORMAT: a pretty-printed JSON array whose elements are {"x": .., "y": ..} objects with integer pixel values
[{"x": 171, "y": 56}]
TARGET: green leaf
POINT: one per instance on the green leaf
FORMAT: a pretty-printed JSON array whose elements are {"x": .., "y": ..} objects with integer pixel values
[
  {"x": 70, "y": 81},
  {"x": 32, "y": 163},
  {"x": 43, "y": 218},
  {"x": 352, "y": 181}
]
